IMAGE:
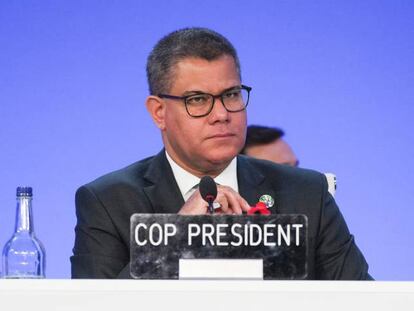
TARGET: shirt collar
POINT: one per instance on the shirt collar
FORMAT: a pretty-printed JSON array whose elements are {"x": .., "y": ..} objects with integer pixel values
[{"x": 186, "y": 181}]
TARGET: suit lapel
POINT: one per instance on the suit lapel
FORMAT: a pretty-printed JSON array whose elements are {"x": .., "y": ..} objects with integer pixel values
[
  {"x": 249, "y": 180},
  {"x": 163, "y": 191},
  {"x": 253, "y": 184}
]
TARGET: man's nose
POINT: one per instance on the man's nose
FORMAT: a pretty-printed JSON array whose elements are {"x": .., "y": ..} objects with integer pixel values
[{"x": 219, "y": 112}]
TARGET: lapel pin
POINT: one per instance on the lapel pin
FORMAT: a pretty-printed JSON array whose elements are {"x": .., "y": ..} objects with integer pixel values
[
  {"x": 268, "y": 200},
  {"x": 262, "y": 207}
]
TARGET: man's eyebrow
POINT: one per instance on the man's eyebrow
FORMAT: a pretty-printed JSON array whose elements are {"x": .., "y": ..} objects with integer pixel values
[
  {"x": 232, "y": 88},
  {"x": 193, "y": 92}
]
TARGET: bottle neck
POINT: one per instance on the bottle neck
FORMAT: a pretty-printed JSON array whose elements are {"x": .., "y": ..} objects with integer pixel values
[{"x": 24, "y": 217}]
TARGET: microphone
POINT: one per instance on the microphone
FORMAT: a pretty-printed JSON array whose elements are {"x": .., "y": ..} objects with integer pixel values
[{"x": 208, "y": 191}]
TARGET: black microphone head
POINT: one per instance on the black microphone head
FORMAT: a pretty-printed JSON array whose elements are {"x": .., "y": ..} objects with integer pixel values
[{"x": 208, "y": 189}]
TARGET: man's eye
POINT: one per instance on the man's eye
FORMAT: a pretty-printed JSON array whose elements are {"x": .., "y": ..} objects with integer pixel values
[
  {"x": 232, "y": 94},
  {"x": 197, "y": 99}
]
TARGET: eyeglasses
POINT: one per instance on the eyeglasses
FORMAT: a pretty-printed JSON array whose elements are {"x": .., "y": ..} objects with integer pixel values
[{"x": 200, "y": 104}]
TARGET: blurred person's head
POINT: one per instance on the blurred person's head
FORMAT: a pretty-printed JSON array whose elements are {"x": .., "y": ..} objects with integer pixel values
[{"x": 267, "y": 143}]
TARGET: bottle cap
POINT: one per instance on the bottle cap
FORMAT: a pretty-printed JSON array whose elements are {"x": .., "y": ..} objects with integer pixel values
[{"x": 24, "y": 192}]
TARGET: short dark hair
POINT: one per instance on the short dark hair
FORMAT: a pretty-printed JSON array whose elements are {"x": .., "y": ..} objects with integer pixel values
[
  {"x": 188, "y": 42},
  {"x": 261, "y": 135}
]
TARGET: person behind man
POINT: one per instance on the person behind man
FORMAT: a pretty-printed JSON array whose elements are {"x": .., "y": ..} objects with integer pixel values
[
  {"x": 198, "y": 102},
  {"x": 267, "y": 143}
]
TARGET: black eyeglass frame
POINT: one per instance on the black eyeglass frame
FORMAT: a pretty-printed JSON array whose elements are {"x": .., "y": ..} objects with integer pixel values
[{"x": 184, "y": 98}]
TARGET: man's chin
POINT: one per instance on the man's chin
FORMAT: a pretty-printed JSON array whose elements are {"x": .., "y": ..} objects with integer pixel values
[{"x": 220, "y": 157}]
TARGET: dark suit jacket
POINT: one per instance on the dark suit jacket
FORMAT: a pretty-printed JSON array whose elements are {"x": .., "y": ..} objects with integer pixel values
[{"x": 104, "y": 207}]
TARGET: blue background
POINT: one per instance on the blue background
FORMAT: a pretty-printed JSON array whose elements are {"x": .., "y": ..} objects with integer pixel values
[{"x": 338, "y": 76}]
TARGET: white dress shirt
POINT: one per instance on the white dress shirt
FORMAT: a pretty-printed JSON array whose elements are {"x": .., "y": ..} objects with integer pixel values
[{"x": 187, "y": 182}]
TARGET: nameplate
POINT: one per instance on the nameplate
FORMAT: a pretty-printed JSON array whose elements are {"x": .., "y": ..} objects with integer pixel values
[{"x": 160, "y": 241}]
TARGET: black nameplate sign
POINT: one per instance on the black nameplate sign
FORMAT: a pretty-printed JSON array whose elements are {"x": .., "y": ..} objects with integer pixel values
[{"x": 158, "y": 241}]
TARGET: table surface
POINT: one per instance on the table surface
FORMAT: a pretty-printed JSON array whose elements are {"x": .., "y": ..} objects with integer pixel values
[{"x": 205, "y": 295}]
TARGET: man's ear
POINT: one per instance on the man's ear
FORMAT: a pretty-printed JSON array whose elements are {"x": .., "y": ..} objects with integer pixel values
[{"x": 156, "y": 108}]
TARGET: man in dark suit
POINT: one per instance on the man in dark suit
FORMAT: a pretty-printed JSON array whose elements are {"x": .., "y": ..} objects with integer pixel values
[{"x": 199, "y": 104}]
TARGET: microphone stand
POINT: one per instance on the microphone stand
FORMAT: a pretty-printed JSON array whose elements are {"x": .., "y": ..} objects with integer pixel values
[{"x": 210, "y": 200}]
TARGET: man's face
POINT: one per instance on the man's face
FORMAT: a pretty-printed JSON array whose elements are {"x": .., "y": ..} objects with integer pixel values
[
  {"x": 277, "y": 151},
  {"x": 206, "y": 144}
]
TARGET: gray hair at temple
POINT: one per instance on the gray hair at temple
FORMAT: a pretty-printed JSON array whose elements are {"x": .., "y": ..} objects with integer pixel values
[{"x": 180, "y": 44}]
